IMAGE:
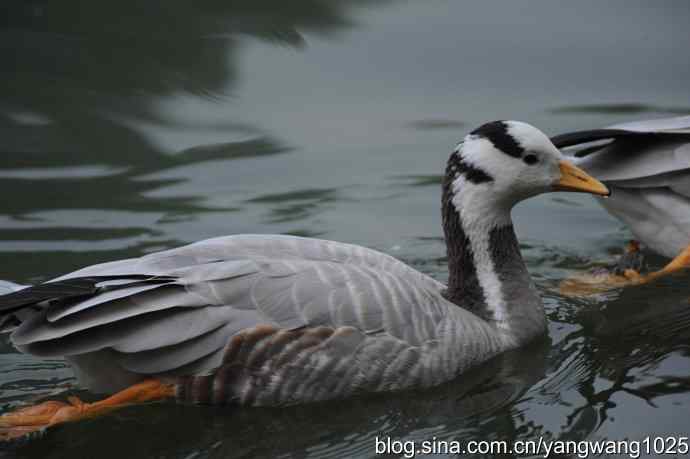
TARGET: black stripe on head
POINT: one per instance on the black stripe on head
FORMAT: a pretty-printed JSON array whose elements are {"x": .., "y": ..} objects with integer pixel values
[
  {"x": 497, "y": 133},
  {"x": 457, "y": 165}
]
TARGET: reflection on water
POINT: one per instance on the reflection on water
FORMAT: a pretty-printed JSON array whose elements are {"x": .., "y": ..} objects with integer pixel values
[
  {"x": 422, "y": 180},
  {"x": 78, "y": 78},
  {"x": 128, "y": 189},
  {"x": 431, "y": 124},
  {"x": 296, "y": 205},
  {"x": 623, "y": 109},
  {"x": 616, "y": 353},
  {"x": 131, "y": 127}
]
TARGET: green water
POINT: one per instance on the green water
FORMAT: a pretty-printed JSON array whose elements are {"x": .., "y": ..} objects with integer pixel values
[{"x": 127, "y": 128}]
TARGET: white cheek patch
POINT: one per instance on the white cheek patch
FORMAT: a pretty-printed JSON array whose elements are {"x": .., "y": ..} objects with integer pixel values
[{"x": 477, "y": 205}]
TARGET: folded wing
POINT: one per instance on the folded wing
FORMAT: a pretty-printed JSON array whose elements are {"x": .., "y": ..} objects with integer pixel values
[{"x": 175, "y": 311}]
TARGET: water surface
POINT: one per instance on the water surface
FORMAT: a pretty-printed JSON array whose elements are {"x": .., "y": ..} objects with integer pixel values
[{"x": 128, "y": 128}]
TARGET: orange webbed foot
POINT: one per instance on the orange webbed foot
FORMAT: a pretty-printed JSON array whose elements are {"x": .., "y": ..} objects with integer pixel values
[
  {"x": 27, "y": 421},
  {"x": 623, "y": 273}
]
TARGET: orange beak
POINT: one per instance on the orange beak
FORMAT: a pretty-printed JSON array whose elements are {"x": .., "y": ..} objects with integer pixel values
[{"x": 575, "y": 179}]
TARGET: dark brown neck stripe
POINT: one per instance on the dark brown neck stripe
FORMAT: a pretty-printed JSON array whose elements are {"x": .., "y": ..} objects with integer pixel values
[{"x": 463, "y": 284}]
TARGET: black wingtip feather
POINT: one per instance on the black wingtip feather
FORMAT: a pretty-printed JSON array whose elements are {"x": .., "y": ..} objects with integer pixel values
[
  {"x": 78, "y": 287},
  {"x": 579, "y": 137}
]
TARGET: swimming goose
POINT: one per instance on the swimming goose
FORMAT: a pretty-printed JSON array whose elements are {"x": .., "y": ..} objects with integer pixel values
[
  {"x": 276, "y": 320},
  {"x": 646, "y": 164}
]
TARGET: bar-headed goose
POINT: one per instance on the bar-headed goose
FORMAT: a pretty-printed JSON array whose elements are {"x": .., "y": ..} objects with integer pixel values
[
  {"x": 274, "y": 320},
  {"x": 646, "y": 164}
]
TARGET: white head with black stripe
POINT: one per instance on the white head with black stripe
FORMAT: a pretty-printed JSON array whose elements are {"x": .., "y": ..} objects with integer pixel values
[{"x": 503, "y": 162}]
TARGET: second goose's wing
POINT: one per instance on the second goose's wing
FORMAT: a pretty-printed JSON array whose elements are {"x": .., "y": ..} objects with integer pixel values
[
  {"x": 631, "y": 151},
  {"x": 647, "y": 165}
]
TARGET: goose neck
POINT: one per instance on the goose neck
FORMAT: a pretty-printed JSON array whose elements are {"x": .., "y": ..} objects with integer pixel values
[{"x": 487, "y": 274}]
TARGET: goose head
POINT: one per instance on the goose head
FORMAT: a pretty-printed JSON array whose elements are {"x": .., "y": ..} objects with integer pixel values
[
  {"x": 504, "y": 162},
  {"x": 496, "y": 166}
]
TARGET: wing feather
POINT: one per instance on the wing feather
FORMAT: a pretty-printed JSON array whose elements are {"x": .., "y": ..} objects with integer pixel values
[
  {"x": 168, "y": 358},
  {"x": 675, "y": 125},
  {"x": 629, "y": 160},
  {"x": 104, "y": 314},
  {"x": 676, "y": 182},
  {"x": 636, "y": 150},
  {"x": 58, "y": 312},
  {"x": 144, "y": 332},
  {"x": 209, "y": 291}
]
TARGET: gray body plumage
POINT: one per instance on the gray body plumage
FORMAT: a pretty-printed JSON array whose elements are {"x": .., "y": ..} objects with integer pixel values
[
  {"x": 386, "y": 326},
  {"x": 646, "y": 164}
]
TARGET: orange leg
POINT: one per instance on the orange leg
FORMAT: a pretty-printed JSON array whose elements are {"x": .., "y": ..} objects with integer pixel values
[
  {"x": 588, "y": 284},
  {"x": 26, "y": 421},
  {"x": 681, "y": 262}
]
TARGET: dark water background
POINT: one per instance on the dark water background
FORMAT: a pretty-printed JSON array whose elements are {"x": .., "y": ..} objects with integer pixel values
[{"x": 128, "y": 127}]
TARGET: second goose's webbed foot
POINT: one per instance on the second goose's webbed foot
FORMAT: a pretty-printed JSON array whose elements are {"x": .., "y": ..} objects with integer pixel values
[{"x": 629, "y": 269}]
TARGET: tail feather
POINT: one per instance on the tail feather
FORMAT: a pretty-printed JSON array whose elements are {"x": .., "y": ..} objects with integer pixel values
[
  {"x": 9, "y": 287},
  {"x": 67, "y": 289}
]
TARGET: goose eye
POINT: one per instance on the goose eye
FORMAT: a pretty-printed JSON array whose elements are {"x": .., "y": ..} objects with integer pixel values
[{"x": 530, "y": 159}]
